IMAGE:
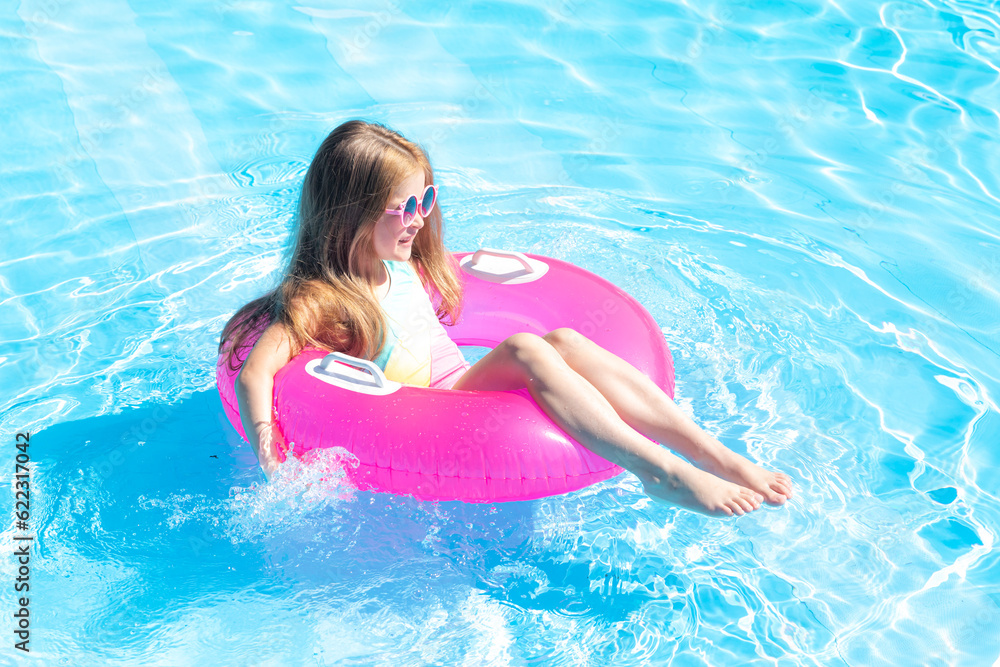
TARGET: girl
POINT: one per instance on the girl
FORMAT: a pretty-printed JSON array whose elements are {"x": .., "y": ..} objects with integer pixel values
[{"x": 369, "y": 238}]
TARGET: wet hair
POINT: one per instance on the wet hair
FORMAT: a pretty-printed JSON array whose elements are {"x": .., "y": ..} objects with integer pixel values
[{"x": 326, "y": 296}]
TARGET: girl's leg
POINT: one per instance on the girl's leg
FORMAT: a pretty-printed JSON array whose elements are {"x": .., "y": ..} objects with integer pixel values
[
  {"x": 527, "y": 360},
  {"x": 643, "y": 406}
]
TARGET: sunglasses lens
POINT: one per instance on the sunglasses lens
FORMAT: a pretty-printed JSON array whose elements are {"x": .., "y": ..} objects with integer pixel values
[
  {"x": 409, "y": 210},
  {"x": 428, "y": 202}
]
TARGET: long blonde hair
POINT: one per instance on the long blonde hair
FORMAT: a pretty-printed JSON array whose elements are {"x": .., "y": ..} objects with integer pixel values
[{"x": 326, "y": 297}]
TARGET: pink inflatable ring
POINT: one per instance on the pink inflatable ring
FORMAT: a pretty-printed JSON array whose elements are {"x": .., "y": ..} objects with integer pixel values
[{"x": 475, "y": 446}]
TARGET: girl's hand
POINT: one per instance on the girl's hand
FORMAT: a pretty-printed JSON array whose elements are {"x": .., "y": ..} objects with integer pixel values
[{"x": 271, "y": 449}]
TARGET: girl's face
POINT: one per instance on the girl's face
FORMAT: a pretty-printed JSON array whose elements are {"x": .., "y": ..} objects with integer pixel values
[{"x": 393, "y": 242}]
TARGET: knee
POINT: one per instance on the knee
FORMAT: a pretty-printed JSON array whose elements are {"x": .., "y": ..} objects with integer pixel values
[
  {"x": 564, "y": 339},
  {"x": 528, "y": 348}
]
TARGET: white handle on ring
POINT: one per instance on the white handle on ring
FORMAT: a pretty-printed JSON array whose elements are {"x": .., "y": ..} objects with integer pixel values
[
  {"x": 503, "y": 253},
  {"x": 361, "y": 364}
]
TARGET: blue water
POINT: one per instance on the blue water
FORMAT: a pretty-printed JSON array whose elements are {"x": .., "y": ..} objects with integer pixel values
[{"x": 804, "y": 195}]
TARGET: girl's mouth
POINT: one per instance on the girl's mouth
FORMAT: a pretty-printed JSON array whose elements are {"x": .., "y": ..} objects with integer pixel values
[{"x": 406, "y": 241}]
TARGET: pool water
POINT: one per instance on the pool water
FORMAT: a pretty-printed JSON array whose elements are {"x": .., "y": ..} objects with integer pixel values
[{"x": 804, "y": 196}]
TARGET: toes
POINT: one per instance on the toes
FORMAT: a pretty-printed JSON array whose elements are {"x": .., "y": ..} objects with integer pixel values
[
  {"x": 776, "y": 499},
  {"x": 752, "y": 497},
  {"x": 746, "y": 501},
  {"x": 784, "y": 482},
  {"x": 779, "y": 489},
  {"x": 784, "y": 488},
  {"x": 775, "y": 495}
]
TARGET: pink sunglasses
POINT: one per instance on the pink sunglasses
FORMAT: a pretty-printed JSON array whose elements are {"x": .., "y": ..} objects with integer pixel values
[{"x": 408, "y": 210}]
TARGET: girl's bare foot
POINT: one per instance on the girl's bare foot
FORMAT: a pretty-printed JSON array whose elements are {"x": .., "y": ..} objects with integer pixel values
[
  {"x": 680, "y": 483},
  {"x": 775, "y": 487}
]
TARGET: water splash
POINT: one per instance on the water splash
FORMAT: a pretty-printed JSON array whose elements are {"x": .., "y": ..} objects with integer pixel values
[{"x": 298, "y": 490}]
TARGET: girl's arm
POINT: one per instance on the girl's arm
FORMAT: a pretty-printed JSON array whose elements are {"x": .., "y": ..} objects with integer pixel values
[{"x": 254, "y": 392}]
